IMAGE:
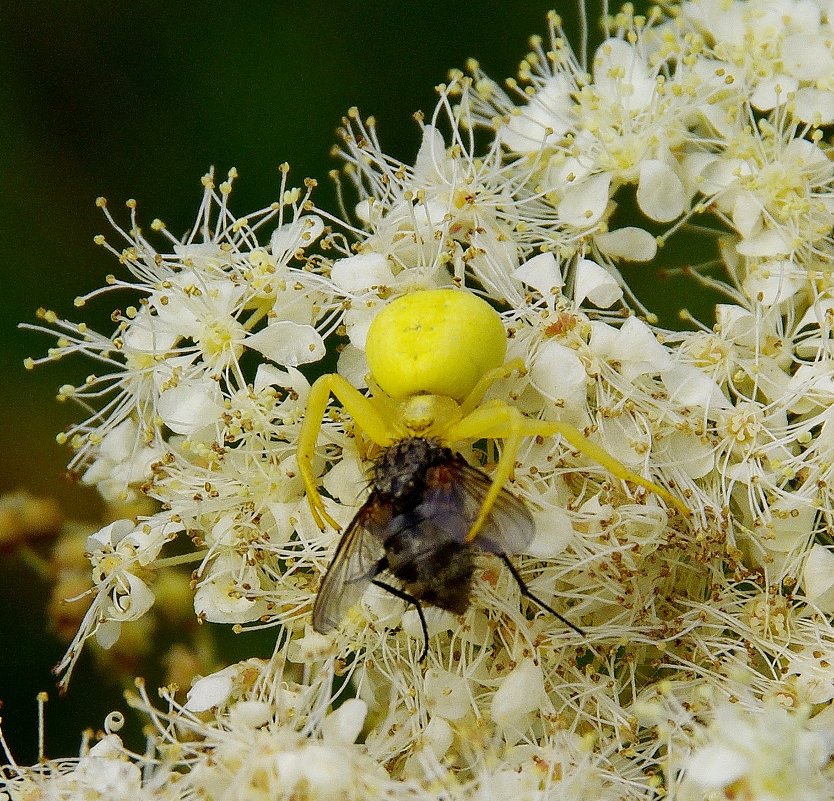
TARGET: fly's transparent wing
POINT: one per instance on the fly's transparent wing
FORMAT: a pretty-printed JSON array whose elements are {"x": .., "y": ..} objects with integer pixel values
[
  {"x": 454, "y": 496},
  {"x": 357, "y": 560}
]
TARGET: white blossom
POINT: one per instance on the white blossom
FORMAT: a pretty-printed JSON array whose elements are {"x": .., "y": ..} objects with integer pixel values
[
  {"x": 769, "y": 754},
  {"x": 703, "y": 667}
]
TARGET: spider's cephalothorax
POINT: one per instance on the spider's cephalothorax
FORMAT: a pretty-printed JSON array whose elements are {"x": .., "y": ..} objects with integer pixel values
[{"x": 432, "y": 356}]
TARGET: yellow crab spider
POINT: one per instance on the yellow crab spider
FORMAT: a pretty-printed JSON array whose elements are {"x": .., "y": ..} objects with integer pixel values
[{"x": 432, "y": 356}]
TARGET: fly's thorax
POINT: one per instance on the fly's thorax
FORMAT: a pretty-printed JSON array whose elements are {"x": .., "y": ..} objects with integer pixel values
[
  {"x": 428, "y": 415},
  {"x": 399, "y": 472}
]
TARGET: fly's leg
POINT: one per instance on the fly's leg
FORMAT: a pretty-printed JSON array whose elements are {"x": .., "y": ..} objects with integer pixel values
[
  {"x": 404, "y": 596},
  {"x": 525, "y": 591}
]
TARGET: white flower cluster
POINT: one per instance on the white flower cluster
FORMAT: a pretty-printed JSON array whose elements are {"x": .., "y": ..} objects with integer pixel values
[{"x": 707, "y": 668}]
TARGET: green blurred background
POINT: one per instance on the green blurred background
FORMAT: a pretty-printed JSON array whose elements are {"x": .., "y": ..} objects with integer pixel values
[{"x": 137, "y": 100}]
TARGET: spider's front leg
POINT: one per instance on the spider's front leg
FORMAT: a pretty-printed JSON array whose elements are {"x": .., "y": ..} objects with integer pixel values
[
  {"x": 473, "y": 400},
  {"x": 498, "y": 420},
  {"x": 492, "y": 420},
  {"x": 365, "y": 416},
  {"x": 548, "y": 428}
]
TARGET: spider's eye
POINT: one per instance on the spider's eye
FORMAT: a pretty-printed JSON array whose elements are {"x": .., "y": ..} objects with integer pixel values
[{"x": 438, "y": 341}]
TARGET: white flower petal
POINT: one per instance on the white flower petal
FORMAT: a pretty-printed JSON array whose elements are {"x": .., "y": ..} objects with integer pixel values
[
  {"x": 134, "y": 603},
  {"x": 814, "y": 682},
  {"x": 219, "y": 599},
  {"x": 811, "y": 387},
  {"x": 148, "y": 333},
  {"x": 661, "y": 195},
  {"x": 773, "y": 282},
  {"x": 119, "y": 442},
  {"x": 814, "y": 106},
  {"x": 384, "y": 609},
  {"x": 544, "y": 119},
  {"x": 584, "y": 202},
  {"x": 364, "y": 210},
  {"x": 150, "y": 536},
  {"x": 311, "y": 647},
  {"x": 362, "y": 272},
  {"x": 268, "y": 375},
  {"x": 431, "y": 157},
  {"x": 110, "y": 535},
  {"x": 343, "y": 725},
  {"x": 634, "y": 346},
  {"x": 190, "y": 406},
  {"x": 772, "y": 92},
  {"x": 250, "y": 714},
  {"x": 571, "y": 170},
  {"x": 629, "y": 244},
  {"x": 806, "y": 154},
  {"x": 801, "y": 15},
  {"x": 716, "y": 766},
  {"x": 212, "y": 690},
  {"x": 108, "y": 633},
  {"x": 720, "y": 173},
  {"x": 559, "y": 374},
  {"x": 288, "y": 343},
  {"x": 596, "y": 284},
  {"x": 541, "y": 272},
  {"x": 789, "y": 527},
  {"x": 689, "y": 386},
  {"x": 438, "y": 736},
  {"x": 346, "y": 480},
  {"x": 687, "y": 452},
  {"x": 437, "y": 620},
  {"x": 357, "y": 322},
  {"x": 818, "y": 577},
  {"x": 447, "y": 695},
  {"x": 747, "y": 213},
  {"x": 807, "y": 58},
  {"x": 693, "y": 167},
  {"x": 768, "y": 243},
  {"x": 621, "y": 75},
  {"x": 522, "y": 691},
  {"x": 353, "y": 366},
  {"x": 105, "y": 772},
  {"x": 554, "y": 532},
  {"x": 736, "y": 323},
  {"x": 624, "y": 440},
  {"x": 300, "y": 233}
]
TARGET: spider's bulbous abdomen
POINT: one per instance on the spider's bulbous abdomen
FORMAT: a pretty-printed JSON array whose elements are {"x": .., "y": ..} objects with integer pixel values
[{"x": 435, "y": 342}]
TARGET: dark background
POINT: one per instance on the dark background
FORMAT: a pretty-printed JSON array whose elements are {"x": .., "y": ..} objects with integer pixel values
[{"x": 137, "y": 100}]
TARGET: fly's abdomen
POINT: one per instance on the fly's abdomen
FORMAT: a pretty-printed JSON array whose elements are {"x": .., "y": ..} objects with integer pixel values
[
  {"x": 445, "y": 580},
  {"x": 432, "y": 568}
]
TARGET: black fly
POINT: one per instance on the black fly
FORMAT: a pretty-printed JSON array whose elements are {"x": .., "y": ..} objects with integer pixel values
[{"x": 413, "y": 527}]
